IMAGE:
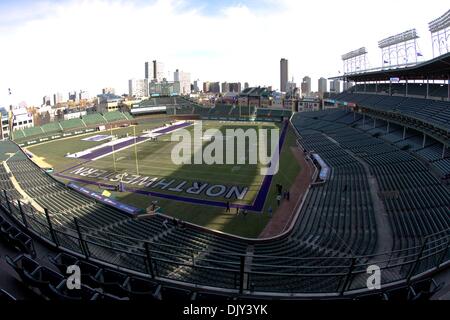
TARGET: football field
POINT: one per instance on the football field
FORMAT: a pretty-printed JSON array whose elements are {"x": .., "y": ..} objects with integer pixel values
[{"x": 195, "y": 192}]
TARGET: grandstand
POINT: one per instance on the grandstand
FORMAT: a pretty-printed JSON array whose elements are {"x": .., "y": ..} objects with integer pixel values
[
  {"x": 183, "y": 106},
  {"x": 414, "y": 117},
  {"x": 59, "y": 128}
]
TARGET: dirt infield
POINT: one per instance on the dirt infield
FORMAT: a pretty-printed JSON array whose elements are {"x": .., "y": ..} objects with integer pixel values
[{"x": 286, "y": 211}]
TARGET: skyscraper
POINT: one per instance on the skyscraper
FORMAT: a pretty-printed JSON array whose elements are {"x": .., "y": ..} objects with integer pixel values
[
  {"x": 197, "y": 86},
  {"x": 206, "y": 87},
  {"x": 225, "y": 87},
  {"x": 211, "y": 87},
  {"x": 335, "y": 86},
  {"x": 283, "y": 74},
  {"x": 158, "y": 71},
  {"x": 184, "y": 79},
  {"x": 322, "y": 86},
  {"x": 306, "y": 86},
  {"x": 46, "y": 101},
  {"x": 137, "y": 88},
  {"x": 291, "y": 88},
  {"x": 234, "y": 87},
  {"x": 57, "y": 98},
  {"x": 214, "y": 87},
  {"x": 148, "y": 70},
  {"x": 73, "y": 96}
]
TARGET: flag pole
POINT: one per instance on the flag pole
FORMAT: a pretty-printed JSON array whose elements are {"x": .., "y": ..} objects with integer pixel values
[{"x": 135, "y": 150}]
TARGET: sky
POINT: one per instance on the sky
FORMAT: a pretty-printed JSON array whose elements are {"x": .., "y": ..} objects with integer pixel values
[{"x": 66, "y": 45}]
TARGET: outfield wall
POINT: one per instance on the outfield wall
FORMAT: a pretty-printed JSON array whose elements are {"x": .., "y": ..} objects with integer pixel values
[{"x": 56, "y": 136}]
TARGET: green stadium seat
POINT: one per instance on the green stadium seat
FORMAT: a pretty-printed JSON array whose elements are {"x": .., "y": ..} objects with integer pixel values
[
  {"x": 114, "y": 116},
  {"x": 51, "y": 127},
  {"x": 72, "y": 124},
  {"x": 94, "y": 119}
]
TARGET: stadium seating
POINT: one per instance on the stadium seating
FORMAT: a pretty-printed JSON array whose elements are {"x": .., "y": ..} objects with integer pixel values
[
  {"x": 243, "y": 111},
  {"x": 94, "y": 119},
  {"x": 418, "y": 206},
  {"x": 114, "y": 116},
  {"x": 272, "y": 113},
  {"x": 431, "y": 111},
  {"x": 33, "y": 131},
  {"x": 337, "y": 221},
  {"x": 18, "y": 134},
  {"x": 72, "y": 124},
  {"x": 414, "y": 89},
  {"x": 221, "y": 110},
  {"x": 51, "y": 127}
]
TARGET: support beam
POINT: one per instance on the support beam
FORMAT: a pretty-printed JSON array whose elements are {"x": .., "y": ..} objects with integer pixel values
[
  {"x": 241, "y": 274},
  {"x": 424, "y": 140},
  {"x": 404, "y": 133},
  {"x": 387, "y": 129}
]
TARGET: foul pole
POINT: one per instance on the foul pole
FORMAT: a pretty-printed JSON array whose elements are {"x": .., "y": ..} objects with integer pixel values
[
  {"x": 135, "y": 150},
  {"x": 113, "y": 151}
]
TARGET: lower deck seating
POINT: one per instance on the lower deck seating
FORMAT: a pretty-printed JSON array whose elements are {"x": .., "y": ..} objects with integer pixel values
[{"x": 414, "y": 199}]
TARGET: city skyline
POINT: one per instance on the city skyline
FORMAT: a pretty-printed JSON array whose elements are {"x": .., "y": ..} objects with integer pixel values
[{"x": 62, "y": 46}]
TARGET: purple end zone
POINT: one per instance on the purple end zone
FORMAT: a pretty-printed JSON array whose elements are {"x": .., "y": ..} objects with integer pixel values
[
  {"x": 171, "y": 128},
  {"x": 108, "y": 149},
  {"x": 257, "y": 205},
  {"x": 99, "y": 137}
]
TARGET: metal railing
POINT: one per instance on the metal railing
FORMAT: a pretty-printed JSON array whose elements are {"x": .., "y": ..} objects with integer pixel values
[{"x": 294, "y": 276}]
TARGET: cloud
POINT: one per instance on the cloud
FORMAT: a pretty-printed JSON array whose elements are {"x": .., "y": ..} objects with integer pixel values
[{"x": 73, "y": 45}]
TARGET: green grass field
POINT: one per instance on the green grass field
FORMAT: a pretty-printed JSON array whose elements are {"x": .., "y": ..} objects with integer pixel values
[{"x": 154, "y": 160}]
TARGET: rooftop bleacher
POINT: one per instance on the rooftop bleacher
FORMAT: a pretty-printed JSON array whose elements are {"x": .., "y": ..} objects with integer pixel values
[{"x": 90, "y": 120}]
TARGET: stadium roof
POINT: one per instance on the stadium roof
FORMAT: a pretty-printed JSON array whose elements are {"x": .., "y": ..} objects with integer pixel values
[{"x": 434, "y": 69}]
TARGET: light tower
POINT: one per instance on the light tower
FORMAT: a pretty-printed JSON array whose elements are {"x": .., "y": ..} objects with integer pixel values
[
  {"x": 355, "y": 61},
  {"x": 400, "y": 50},
  {"x": 440, "y": 34}
]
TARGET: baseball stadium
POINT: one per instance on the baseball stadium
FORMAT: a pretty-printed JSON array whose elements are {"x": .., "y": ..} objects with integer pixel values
[{"x": 362, "y": 182}]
